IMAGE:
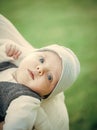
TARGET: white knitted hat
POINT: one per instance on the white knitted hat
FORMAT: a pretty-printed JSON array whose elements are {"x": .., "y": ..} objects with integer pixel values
[{"x": 70, "y": 67}]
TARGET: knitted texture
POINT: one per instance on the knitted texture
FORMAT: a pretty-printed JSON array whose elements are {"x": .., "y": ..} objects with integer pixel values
[
  {"x": 6, "y": 65},
  {"x": 10, "y": 91}
]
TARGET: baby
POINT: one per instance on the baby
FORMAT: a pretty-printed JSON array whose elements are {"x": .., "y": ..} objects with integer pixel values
[
  {"x": 47, "y": 71},
  {"x": 37, "y": 70}
]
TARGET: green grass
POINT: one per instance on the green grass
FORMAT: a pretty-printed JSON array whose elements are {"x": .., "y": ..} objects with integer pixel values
[{"x": 70, "y": 23}]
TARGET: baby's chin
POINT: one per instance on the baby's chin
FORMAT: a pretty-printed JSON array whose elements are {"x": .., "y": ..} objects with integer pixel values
[
  {"x": 17, "y": 75},
  {"x": 21, "y": 77}
]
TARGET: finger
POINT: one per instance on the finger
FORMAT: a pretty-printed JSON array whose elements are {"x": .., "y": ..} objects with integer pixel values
[
  {"x": 7, "y": 48},
  {"x": 10, "y": 49},
  {"x": 16, "y": 55}
]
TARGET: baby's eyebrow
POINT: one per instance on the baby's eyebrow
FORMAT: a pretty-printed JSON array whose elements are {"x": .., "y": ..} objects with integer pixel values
[{"x": 44, "y": 56}]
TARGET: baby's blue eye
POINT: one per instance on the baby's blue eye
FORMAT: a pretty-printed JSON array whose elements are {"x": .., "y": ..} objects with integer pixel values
[
  {"x": 50, "y": 77},
  {"x": 41, "y": 60}
]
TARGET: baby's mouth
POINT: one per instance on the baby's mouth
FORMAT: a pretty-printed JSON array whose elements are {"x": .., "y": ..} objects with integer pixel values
[{"x": 31, "y": 74}]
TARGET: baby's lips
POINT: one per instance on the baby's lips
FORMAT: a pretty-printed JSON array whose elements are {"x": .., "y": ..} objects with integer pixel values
[{"x": 31, "y": 74}]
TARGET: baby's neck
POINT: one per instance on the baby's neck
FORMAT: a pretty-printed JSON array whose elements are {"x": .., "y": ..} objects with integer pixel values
[{"x": 14, "y": 76}]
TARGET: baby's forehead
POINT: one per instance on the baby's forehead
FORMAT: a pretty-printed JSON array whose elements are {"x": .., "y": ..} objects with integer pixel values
[{"x": 47, "y": 52}]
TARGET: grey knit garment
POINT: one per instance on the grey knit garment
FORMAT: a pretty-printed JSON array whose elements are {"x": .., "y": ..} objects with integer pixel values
[
  {"x": 6, "y": 65},
  {"x": 9, "y": 91}
]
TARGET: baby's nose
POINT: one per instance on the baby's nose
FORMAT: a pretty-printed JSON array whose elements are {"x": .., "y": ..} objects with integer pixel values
[{"x": 40, "y": 70}]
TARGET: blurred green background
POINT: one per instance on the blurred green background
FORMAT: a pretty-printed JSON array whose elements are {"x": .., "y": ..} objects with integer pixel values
[{"x": 71, "y": 23}]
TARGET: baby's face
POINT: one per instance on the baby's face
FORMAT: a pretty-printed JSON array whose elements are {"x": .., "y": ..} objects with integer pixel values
[{"x": 40, "y": 71}]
